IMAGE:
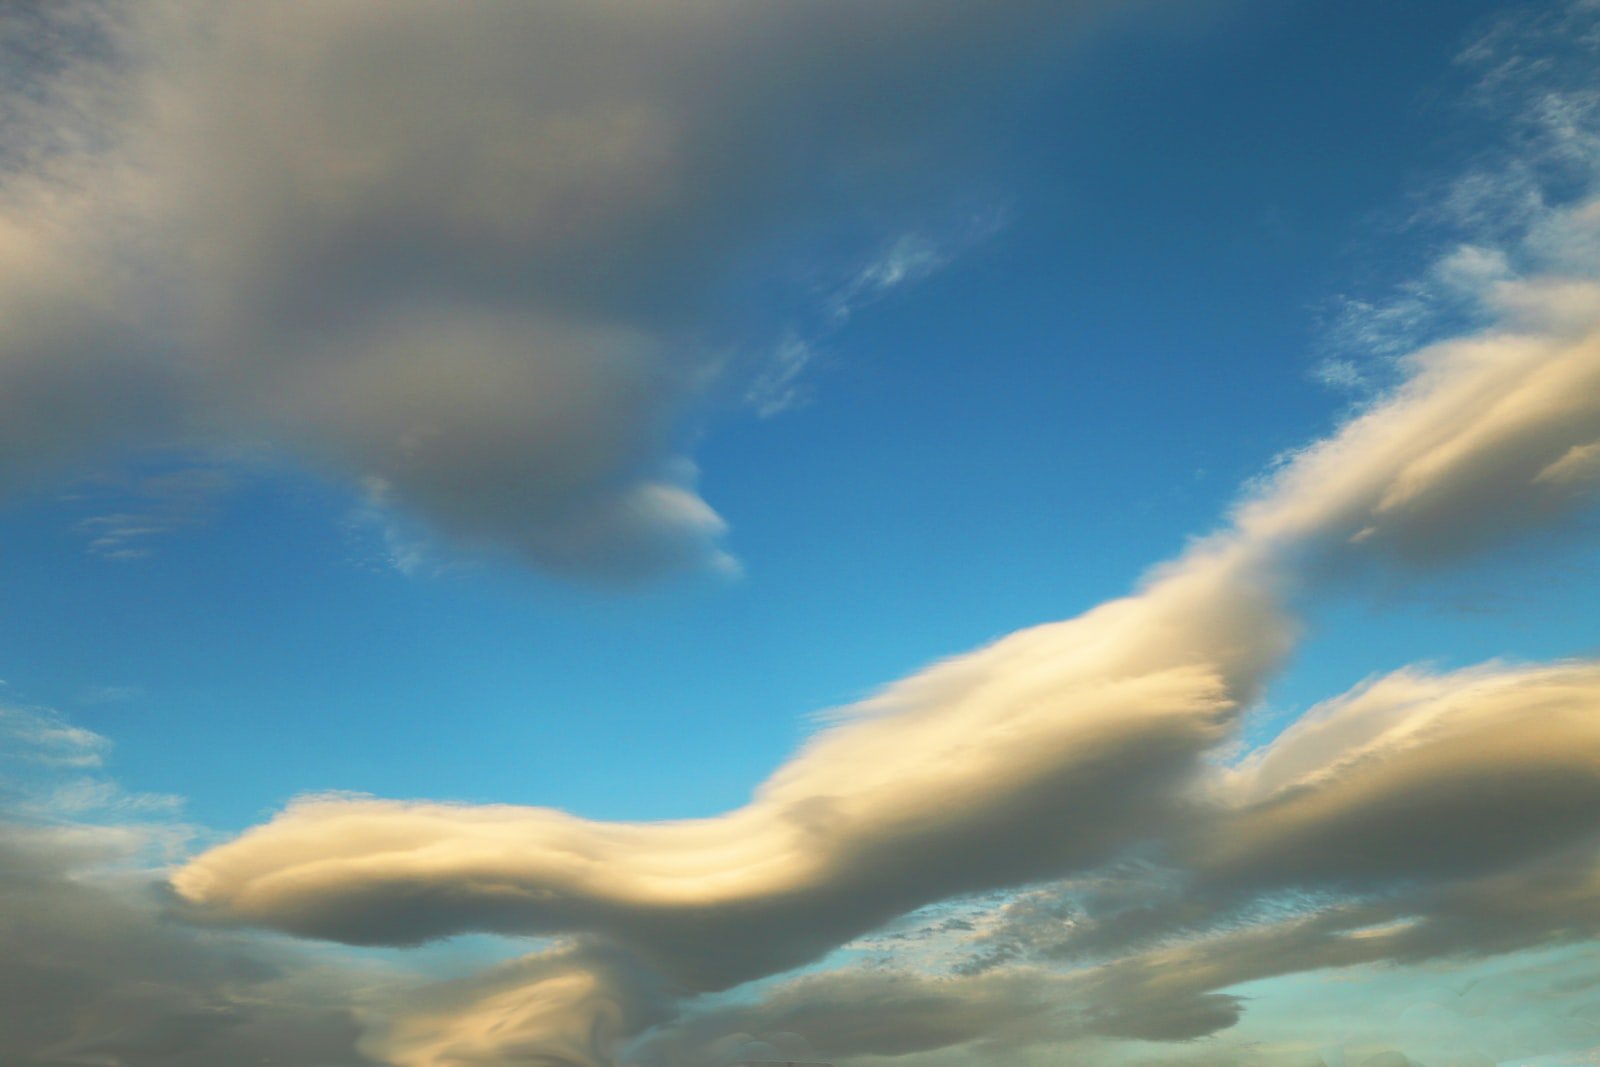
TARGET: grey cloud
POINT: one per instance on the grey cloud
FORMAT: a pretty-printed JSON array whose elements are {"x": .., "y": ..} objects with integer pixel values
[
  {"x": 1432, "y": 817},
  {"x": 107, "y": 980},
  {"x": 1437, "y": 798},
  {"x": 1169, "y": 1019},
  {"x": 488, "y": 254},
  {"x": 854, "y": 1014},
  {"x": 1421, "y": 926},
  {"x": 1170, "y": 1006},
  {"x": 1420, "y": 818},
  {"x": 93, "y": 973}
]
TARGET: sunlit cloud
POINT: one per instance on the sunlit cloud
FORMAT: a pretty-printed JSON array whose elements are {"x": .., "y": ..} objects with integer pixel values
[
  {"x": 497, "y": 326},
  {"x": 1058, "y": 749}
]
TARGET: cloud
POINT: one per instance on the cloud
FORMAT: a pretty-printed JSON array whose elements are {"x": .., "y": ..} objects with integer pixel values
[
  {"x": 851, "y": 1013},
  {"x": 566, "y": 1008},
  {"x": 481, "y": 254},
  {"x": 442, "y": 287},
  {"x": 1190, "y": 992},
  {"x": 1045, "y": 753},
  {"x": 1419, "y": 818},
  {"x": 1048, "y": 751},
  {"x": 778, "y": 388},
  {"x": 110, "y": 694},
  {"x": 1418, "y": 776},
  {"x": 1061, "y": 749},
  {"x": 131, "y": 514},
  {"x": 36, "y": 735},
  {"x": 52, "y": 771},
  {"x": 97, "y": 970},
  {"x": 93, "y": 973},
  {"x": 1058, "y": 749},
  {"x": 1529, "y": 75},
  {"x": 1456, "y": 457}
]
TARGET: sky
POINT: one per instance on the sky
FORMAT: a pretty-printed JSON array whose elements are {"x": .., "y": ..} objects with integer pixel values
[{"x": 916, "y": 533}]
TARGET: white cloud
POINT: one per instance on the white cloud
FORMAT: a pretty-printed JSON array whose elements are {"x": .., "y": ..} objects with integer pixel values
[
  {"x": 777, "y": 389},
  {"x": 41, "y": 736}
]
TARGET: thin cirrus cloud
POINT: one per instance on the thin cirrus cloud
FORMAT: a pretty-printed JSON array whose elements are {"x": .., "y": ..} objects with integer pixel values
[{"x": 478, "y": 254}]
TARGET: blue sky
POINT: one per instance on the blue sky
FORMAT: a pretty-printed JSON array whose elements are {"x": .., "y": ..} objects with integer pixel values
[{"x": 521, "y": 430}]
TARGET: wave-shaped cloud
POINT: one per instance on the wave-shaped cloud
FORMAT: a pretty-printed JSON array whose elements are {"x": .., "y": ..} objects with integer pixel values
[
  {"x": 1041, "y": 754},
  {"x": 1061, "y": 747}
]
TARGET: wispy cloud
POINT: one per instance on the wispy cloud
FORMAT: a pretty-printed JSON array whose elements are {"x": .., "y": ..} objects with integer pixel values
[
  {"x": 906, "y": 260},
  {"x": 1530, "y": 74},
  {"x": 778, "y": 388},
  {"x": 778, "y": 384},
  {"x": 380, "y": 537},
  {"x": 52, "y": 771},
  {"x": 110, "y": 694},
  {"x": 134, "y": 513},
  {"x": 42, "y": 736}
]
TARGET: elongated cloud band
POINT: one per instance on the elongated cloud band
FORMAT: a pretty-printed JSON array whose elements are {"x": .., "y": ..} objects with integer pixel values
[{"x": 1046, "y": 753}]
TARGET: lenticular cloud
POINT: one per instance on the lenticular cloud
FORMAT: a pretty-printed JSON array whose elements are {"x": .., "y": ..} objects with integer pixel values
[
  {"x": 1062, "y": 749},
  {"x": 1046, "y": 753}
]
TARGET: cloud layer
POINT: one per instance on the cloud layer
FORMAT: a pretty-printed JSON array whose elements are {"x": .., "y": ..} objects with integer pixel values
[
  {"x": 486, "y": 275},
  {"x": 1041, "y": 754},
  {"x": 1063, "y": 747}
]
